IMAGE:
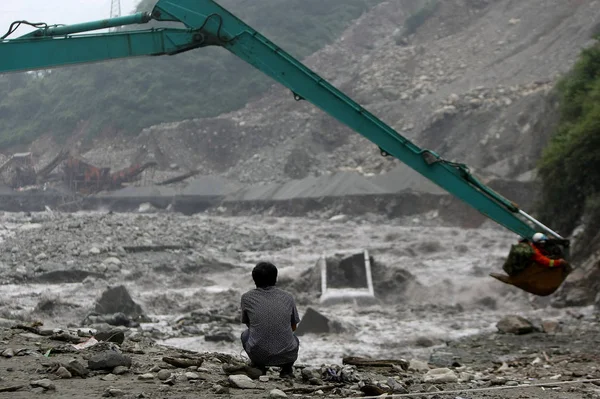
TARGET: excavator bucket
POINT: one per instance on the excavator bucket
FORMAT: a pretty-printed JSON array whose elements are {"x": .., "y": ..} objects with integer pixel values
[{"x": 537, "y": 279}]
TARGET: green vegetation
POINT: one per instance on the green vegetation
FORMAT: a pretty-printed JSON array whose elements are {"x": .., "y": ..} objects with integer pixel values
[
  {"x": 128, "y": 95},
  {"x": 570, "y": 166}
]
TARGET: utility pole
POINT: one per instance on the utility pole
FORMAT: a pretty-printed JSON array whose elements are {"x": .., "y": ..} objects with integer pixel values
[{"x": 115, "y": 11}]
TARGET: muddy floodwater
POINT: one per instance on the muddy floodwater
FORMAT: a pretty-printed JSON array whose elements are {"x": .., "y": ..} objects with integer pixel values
[{"x": 450, "y": 294}]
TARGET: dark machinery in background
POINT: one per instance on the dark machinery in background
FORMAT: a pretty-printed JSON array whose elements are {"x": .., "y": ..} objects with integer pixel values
[
  {"x": 86, "y": 178},
  {"x": 80, "y": 176}
]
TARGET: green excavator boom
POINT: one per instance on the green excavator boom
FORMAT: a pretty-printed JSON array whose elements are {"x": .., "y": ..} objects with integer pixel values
[{"x": 205, "y": 23}]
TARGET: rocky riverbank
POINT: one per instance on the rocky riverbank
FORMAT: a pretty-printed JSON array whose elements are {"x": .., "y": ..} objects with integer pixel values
[
  {"x": 519, "y": 360},
  {"x": 166, "y": 286}
]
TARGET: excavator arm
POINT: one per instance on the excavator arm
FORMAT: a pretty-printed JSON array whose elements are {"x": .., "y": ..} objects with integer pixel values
[{"x": 206, "y": 23}]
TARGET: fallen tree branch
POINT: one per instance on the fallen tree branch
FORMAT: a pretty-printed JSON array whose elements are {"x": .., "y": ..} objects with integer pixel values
[
  {"x": 12, "y": 388},
  {"x": 365, "y": 362},
  {"x": 183, "y": 363}
]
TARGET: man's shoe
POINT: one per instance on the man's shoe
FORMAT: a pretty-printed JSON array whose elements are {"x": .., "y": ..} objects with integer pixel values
[{"x": 286, "y": 372}]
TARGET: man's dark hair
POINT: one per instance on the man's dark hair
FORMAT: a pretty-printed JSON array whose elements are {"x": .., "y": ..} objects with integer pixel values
[{"x": 264, "y": 275}]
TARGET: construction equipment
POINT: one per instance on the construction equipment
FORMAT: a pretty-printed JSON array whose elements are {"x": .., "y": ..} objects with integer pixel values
[
  {"x": 209, "y": 24},
  {"x": 18, "y": 171},
  {"x": 86, "y": 178},
  {"x": 43, "y": 173}
]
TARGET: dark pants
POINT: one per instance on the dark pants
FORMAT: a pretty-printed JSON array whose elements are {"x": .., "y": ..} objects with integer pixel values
[{"x": 285, "y": 368}]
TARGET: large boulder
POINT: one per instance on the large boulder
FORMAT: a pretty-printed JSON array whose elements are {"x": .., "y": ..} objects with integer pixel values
[
  {"x": 108, "y": 360},
  {"x": 117, "y": 300},
  {"x": 314, "y": 322},
  {"x": 515, "y": 325},
  {"x": 581, "y": 286}
]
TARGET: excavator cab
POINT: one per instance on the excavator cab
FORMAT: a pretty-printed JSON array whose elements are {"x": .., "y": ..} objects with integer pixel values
[{"x": 535, "y": 278}]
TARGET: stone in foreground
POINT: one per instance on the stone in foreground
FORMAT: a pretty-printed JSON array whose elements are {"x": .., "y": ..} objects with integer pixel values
[
  {"x": 277, "y": 393},
  {"x": 108, "y": 360},
  {"x": 442, "y": 375},
  {"x": 241, "y": 381},
  {"x": 515, "y": 325}
]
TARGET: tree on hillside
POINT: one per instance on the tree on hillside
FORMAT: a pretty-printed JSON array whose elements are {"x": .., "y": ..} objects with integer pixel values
[{"x": 570, "y": 166}]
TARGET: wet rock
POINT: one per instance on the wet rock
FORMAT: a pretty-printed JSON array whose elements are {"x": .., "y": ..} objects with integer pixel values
[
  {"x": 45, "y": 383},
  {"x": 432, "y": 388},
  {"x": 115, "y": 319},
  {"x": 396, "y": 387},
  {"x": 241, "y": 381},
  {"x": 40, "y": 257},
  {"x": 77, "y": 369},
  {"x": 219, "y": 335},
  {"x": 314, "y": 322},
  {"x": 113, "y": 393},
  {"x": 108, "y": 360},
  {"x": 186, "y": 362},
  {"x": 551, "y": 326},
  {"x": 263, "y": 378},
  {"x": 9, "y": 352},
  {"x": 116, "y": 336},
  {"x": 442, "y": 375},
  {"x": 119, "y": 370},
  {"x": 425, "y": 342},
  {"x": 163, "y": 375},
  {"x": 515, "y": 325},
  {"x": 220, "y": 390},
  {"x": 307, "y": 373},
  {"x": 504, "y": 367},
  {"x": 372, "y": 390},
  {"x": 63, "y": 373},
  {"x": 277, "y": 393},
  {"x": 192, "y": 376},
  {"x": 418, "y": 366},
  {"x": 112, "y": 261},
  {"x": 108, "y": 377},
  {"x": 118, "y": 300}
]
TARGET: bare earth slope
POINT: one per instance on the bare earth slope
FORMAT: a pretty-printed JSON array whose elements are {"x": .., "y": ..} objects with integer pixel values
[{"x": 473, "y": 82}]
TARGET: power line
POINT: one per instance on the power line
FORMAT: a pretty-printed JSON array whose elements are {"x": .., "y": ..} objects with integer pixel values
[
  {"x": 115, "y": 11},
  {"x": 115, "y": 8}
]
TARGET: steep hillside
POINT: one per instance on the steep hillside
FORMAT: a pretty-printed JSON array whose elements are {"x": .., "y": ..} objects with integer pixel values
[
  {"x": 474, "y": 82},
  {"x": 125, "y": 96}
]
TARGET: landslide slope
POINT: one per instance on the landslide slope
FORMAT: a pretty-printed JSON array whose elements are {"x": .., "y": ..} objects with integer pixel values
[
  {"x": 474, "y": 82},
  {"x": 471, "y": 79}
]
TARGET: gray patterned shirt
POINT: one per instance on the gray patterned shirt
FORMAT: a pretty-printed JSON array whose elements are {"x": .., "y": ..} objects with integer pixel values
[{"x": 269, "y": 314}]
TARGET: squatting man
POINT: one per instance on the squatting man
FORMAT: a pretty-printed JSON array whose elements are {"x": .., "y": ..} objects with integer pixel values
[{"x": 271, "y": 317}]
